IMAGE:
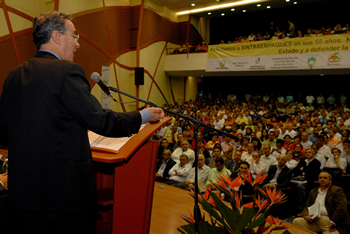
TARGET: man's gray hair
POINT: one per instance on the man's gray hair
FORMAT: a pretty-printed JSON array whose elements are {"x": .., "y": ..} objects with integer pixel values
[{"x": 46, "y": 23}]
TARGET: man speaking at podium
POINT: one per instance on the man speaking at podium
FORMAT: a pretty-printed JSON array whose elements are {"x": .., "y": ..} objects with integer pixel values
[{"x": 46, "y": 109}]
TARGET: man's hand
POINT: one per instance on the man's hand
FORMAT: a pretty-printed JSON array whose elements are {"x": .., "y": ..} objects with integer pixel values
[
  {"x": 156, "y": 113},
  {"x": 308, "y": 218},
  {"x": 3, "y": 179},
  {"x": 158, "y": 175},
  {"x": 332, "y": 227},
  {"x": 187, "y": 182},
  {"x": 270, "y": 185}
]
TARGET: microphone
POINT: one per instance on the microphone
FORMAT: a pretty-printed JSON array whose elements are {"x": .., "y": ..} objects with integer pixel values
[{"x": 96, "y": 77}]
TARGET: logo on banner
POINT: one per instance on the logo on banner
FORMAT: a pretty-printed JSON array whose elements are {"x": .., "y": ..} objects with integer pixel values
[
  {"x": 222, "y": 63},
  {"x": 257, "y": 61},
  {"x": 334, "y": 58},
  {"x": 311, "y": 61}
]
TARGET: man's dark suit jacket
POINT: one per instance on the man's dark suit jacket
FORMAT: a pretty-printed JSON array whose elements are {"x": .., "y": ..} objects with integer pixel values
[
  {"x": 169, "y": 164},
  {"x": 336, "y": 205},
  {"x": 283, "y": 178},
  {"x": 46, "y": 109},
  {"x": 310, "y": 171}
]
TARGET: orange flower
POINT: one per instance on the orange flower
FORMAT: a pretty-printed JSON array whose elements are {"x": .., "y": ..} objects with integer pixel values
[
  {"x": 188, "y": 219},
  {"x": 274, "y": 196}
]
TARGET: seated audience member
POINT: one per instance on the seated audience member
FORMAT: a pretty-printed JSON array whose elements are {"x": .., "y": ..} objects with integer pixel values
[
  {"x": 271, "y": 141},
  {"x": 276, "y": 151},
  {"x": 267, "y": 158},
  {"x": 199, "y": 137},
  {"x": 319, "y": 157},
  {"x": 313, "y": 137},
  {"x": 298, "y": 151},
  {"x": 346, "y": 151},
  {"x": 336, "y": 161},
  {"x": 204, "y": 151},
  {"x": 214, "y": 140},
  {"x": 164, "y": 145},
  {"x": 332, "y": 139},
  {"x": 291, "y": 164},
  {"x": 307, "y": 169},
  {"x": 244, "y": 146},
  {"x": 248, "y": 154},
  {"x": 290, "y": 131},
  {"x": 233, "y": 164},
  {"x": 188, "y": 133},
  {"x": 185, "y": 149},
  {"x": 278, "y": 175},
  {"x": 226, "y": 143},
  {"x": 214, "y": 173},
  {"x": 171, "y": 136},
  {"x": 327, "y": 143},
  {"x": 230, "y": 152},
  {"x": 180, "y": 138},
  {"x": 246, "y": 188},
  {"x": 216, "y": 154},
  {"x": 179, "y": 172},
  {"x": 163, "y": 166},
  {"x": 159, "y": 134},
  {"x": 322, "y": 148},
  {"x": 256, "y": 165},
  {"x": 333, "y": 208},
  {"x": 305, "y": 140},
  {"x": 203, "y": 172}
]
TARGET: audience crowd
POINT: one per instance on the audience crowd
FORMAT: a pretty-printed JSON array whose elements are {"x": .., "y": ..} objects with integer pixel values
[
  {"x": 292, "y": 139},
  {"x": 274, "y": 33}
]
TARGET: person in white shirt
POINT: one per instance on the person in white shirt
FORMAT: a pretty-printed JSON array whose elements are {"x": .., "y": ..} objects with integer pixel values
[
  {"x": 290, "y": 131},
  {"x": 276, "y": 151},
  {"x": 256, "y": 166},
  {"x": 248, "y": 154},
  {"x": 203, "y": 172},
  {"x": 291, "y": 163},
  {"x": 305, "y": 140},
  {"x": 267, "y": 158},
  {"x": 333, "y": 212},
  {"x": 310, "y": 99},
  {"x": 183, "y": 150},
  {"x": 179, "y": 172},
  {"x": 319, "y": 157},
  {"x": 323, "y": 149},
  {"x": 337, "y": 161}
]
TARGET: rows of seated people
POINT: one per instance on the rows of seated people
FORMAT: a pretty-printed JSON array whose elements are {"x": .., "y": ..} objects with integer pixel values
[
  {"x": 282, "y": 139},
  {"x": 274, "y": 33}
]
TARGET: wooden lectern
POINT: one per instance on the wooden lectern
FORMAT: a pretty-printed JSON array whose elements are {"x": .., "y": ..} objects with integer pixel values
[{"x": 125, "y": 183}]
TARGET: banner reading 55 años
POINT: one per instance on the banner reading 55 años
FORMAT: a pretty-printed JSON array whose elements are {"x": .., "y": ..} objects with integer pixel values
[{"x": 318, "y": 52}]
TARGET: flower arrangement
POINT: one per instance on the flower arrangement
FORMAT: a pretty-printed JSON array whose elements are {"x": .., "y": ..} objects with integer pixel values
[{"x": 236, "y": 217}]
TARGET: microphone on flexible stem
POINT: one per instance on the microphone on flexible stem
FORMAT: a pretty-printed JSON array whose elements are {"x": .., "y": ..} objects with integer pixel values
[{"x": 96, "y": 77}]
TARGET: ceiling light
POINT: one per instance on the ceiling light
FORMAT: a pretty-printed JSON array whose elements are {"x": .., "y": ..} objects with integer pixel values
[
  {"x": 295, "y": 3},
  {"x": 228, "y": 5},
  {"x": 244, "y": 10},
  {"x": 222, "y": 14},
  {"x": 287, "y": 0},
  {"x": 209, "y": 13},
  {"x": 232, "y": 9},
  {"x": 193, "y": 4},
  {"x": 268, "y": 7},
  {"x": 259, "y": 5}
]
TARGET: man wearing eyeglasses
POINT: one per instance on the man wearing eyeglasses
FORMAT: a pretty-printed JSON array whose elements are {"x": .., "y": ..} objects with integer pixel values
[{"x": 46, "y": 109}]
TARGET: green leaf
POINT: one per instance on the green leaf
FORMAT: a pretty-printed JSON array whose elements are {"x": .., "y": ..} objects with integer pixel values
[
  {"x": 258, "y": 222},
  {"x": 213, "y": 212},
  {"x": 229, "y": 215},
  {"x": 244, "y": 219}
]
